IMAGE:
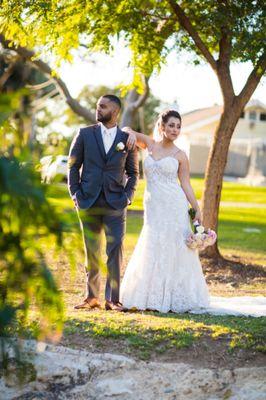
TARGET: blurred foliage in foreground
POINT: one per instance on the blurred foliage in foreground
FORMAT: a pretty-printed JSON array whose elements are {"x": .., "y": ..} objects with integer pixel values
[{"x": 25, "y": 218}]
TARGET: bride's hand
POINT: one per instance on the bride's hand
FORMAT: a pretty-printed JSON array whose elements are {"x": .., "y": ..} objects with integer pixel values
[
  {"x": 127, "y": 129},
  {"x": 198, "y": 217},
  {"x": 131, "y": 141}
]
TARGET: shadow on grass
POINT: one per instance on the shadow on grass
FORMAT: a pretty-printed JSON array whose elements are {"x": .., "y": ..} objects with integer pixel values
[
  {"x": 238, "y": 271},
  {"x": 151, "y": 332}
]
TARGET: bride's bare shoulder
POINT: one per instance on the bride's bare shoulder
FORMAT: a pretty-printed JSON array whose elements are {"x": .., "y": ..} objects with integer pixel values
[{"x": 180, "y": 155}]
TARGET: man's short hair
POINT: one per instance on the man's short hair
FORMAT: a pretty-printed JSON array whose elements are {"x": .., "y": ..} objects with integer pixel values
[{"x": 114, "y": 99}]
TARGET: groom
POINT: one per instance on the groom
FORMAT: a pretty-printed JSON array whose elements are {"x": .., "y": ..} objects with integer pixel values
[{"x": 103, "y": 173}]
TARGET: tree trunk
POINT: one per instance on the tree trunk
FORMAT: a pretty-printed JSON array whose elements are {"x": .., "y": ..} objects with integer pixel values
[
  {"x": 133, "y": 102},
  {"x": 130, "y": 110},
  {"x": 215, "y": 169},
  {"x": 233, "y": 106}
]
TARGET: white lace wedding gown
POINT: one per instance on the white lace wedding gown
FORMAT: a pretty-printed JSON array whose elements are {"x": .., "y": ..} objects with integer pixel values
[{"x": 163, "y": 274}]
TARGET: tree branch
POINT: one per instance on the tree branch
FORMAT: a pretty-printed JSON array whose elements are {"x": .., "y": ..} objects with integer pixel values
[
  {"x": 29, "y": 55},
  {"x": 142, "y": 98},
  {"x": 223, "y": 65},
  {"x": 223, "y": 62},
  {"x": 252, "y": 81},
  {"x": 39, "y": 103},
  {"x": 154, "y": 16},
  {"x": 132, "y": 103},
  {"x": 41, "y": 85},
  {"x": 186, "y": 24},
  {"x": 8, "y": 72}
]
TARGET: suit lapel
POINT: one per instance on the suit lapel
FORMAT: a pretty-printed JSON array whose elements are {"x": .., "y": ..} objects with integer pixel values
[
  {"x": 118, "y": 138},
  {"x": 98, "y": 136}
]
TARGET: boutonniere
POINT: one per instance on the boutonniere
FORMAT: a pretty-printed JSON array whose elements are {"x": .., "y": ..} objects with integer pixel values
[{"x": 120, "y": 146}]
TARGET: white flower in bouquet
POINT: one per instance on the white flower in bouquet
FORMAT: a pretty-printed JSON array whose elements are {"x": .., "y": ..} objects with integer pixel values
[
  {"x": 198, "y": 236},
  {"x": 200, "y": 229}
]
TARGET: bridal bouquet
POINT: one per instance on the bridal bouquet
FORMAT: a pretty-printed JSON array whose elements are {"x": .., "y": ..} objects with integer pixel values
[{"x": 201, "y": 238}]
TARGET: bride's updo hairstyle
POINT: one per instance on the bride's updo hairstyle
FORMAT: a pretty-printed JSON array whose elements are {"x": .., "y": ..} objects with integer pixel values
[{"x": 163, "y": 119}]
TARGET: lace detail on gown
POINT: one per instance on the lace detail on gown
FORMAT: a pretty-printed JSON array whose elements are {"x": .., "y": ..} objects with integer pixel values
[{"x": 163, "y": 273}]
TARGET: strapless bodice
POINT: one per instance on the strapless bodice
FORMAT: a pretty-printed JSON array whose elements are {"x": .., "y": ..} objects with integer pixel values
[{"x": 162, "y": 170}]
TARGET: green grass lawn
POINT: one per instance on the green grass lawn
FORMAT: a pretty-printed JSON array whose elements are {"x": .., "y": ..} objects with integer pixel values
[
  {"x": 232, "y": 237},
  {"x": 233, "y": 221},
  {"x": 142, "y": 334},
  {"x": 150, "y": 334},
  {"x": 232, "y": 192}
]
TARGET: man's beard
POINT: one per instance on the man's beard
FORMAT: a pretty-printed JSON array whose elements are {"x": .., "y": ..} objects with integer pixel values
[{"x": 104, "y": 118}]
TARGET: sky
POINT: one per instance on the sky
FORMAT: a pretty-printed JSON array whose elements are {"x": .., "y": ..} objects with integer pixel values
[{"x": 179, "y": 83}]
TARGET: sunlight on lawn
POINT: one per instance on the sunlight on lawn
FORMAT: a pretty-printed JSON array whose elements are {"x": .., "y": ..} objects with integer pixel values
[
  {"x": 233, "y": 239},
  {"x": 143, "y": 333},
  {"x": 232, "y": 192},
  {"x": 234, "y": 222}
]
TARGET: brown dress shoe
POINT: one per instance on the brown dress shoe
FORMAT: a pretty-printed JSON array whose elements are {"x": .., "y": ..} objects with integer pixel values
[
  {"x": 89, "y": 304},
  {"x": 110, "y": 305}
]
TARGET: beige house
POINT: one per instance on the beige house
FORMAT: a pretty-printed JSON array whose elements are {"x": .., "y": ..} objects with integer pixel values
[{"x": 247, "y": 154}]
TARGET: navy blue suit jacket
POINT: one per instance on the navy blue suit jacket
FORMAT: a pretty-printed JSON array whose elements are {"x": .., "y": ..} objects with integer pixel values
[{"x": 91, "y": 170}]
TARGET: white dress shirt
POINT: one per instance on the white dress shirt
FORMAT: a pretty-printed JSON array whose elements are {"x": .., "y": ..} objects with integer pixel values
[{"x": 108, "y": 135}]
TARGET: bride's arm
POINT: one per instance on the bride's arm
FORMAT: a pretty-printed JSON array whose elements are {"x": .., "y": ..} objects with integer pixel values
[
  {"x": 184, "y": 178},
  {"x": 137, "y": 138}
]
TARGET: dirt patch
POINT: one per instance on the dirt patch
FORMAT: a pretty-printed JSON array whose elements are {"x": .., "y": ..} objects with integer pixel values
[
  {"x": 204, "y": 353},
  {"x": 234, "y": 277}
]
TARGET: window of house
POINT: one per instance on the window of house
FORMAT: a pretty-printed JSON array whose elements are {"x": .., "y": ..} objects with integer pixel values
[
  {"x": 253, "y": 115},
  {"x": 242, "y": 115},
  {"x": 263, "y": 116}
]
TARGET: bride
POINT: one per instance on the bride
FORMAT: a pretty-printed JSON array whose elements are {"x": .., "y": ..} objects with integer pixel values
[{"x": 163, "y": 273}]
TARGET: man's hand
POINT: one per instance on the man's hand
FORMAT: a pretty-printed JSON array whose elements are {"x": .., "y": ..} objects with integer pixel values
[
  {"x": 74, "y": 198},
  {"x": 131, "y": 141}
]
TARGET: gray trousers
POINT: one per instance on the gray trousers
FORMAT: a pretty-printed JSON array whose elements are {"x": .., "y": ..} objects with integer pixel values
[{"x": 92, "y": 221}]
